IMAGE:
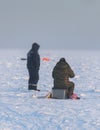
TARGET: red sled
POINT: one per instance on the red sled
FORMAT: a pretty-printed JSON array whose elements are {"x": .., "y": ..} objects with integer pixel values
[{"x": 74, "y": 96}]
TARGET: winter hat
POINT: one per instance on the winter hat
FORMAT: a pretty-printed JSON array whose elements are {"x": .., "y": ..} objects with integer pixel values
[
  {"x": 35, "y": 46},
  {"x": 62, "y": 60}
]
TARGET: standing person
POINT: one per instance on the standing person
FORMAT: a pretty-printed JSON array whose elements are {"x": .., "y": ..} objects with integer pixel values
[
  {"x": 61, "y": 74},
  {"x": 33, "y": 64}
]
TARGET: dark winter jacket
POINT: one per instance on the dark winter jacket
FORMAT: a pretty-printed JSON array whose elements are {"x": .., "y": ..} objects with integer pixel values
[
  {"x": 33, "y": 58},
  {"x": 61, "y": 74}
]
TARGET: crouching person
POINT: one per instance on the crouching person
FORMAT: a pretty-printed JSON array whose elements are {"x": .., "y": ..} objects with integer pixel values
[{"x": 61, "y": 74}]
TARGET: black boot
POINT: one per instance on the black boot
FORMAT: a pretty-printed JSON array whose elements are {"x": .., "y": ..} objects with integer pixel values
[{"x": 31, "y": 87}]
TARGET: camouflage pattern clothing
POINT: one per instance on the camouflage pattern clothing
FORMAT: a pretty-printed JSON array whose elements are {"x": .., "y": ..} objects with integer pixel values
[{"x": 61, "y": 74}]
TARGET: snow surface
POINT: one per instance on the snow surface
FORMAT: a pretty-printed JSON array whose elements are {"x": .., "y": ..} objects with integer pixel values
[{"x": 21, "y": 109}]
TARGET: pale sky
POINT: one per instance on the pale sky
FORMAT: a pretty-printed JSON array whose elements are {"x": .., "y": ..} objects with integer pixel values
[{"x": 54, "y": 24}]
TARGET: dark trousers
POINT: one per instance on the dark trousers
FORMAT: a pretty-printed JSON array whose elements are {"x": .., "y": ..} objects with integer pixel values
[
  {"x": 33, "y": 77},
  {"x": 70, "y": 89}
]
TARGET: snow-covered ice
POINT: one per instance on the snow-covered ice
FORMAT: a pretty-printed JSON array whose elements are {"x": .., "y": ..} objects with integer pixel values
[{"x": 21, "y": 109}]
